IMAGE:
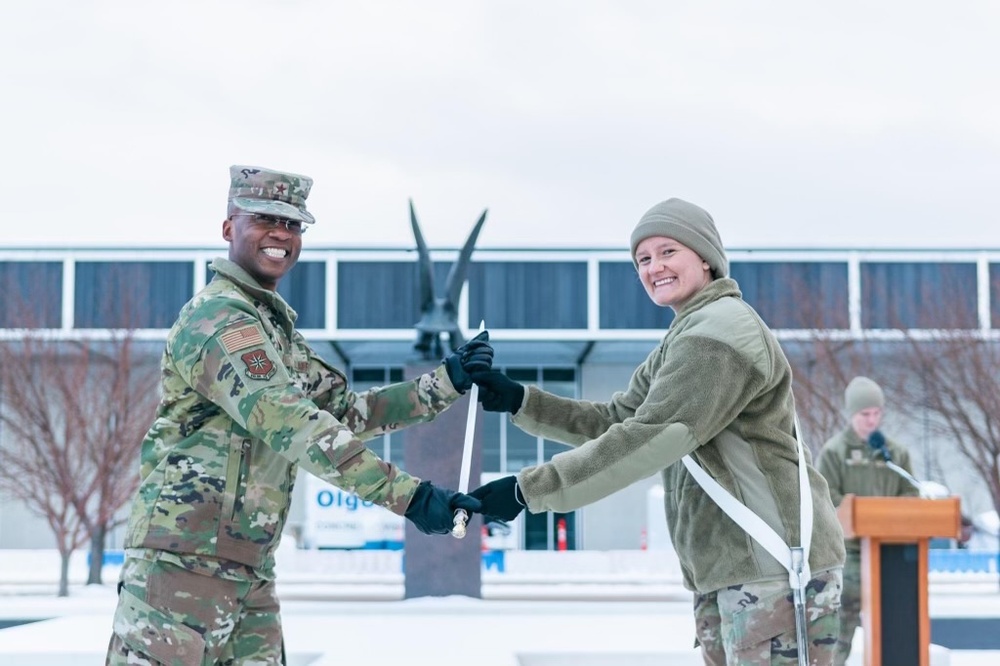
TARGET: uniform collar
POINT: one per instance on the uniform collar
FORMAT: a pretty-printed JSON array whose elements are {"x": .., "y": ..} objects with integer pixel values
[{"x": 233, "y": 272}]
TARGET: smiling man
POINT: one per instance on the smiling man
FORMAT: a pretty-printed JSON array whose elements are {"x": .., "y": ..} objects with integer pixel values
[{"x": 246, "y": 403}]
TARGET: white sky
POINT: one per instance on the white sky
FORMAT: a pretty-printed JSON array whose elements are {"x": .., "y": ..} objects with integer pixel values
[{"x": 849, "y": 124}]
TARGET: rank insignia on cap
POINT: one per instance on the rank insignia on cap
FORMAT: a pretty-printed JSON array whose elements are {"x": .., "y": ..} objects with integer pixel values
[
  {"x": 259, "y": 366},
  {"x": 241, "y": 338}
]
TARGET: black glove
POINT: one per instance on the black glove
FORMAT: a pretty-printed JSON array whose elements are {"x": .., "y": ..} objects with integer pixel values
[
  {"x": 432, "y": 509},
  {"x": 500, "y": 499},
  {"x": 498, "y": 392},
  {"x": 476, "y": 355}
]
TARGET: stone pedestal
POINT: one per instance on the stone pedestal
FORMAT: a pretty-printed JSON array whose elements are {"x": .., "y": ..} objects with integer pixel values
[{"x": 441, "y": 565}]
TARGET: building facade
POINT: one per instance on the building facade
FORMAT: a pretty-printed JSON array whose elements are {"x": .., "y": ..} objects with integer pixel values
[{"x": 576, "y": 322}]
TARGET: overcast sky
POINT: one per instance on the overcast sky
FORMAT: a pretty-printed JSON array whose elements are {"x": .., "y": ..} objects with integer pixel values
[{"x": 849, "y": 124}]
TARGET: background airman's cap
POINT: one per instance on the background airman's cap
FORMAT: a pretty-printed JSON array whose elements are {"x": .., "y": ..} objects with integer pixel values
[
  {"x": 862, "y": 393},
  {"x": 269, "y": 192}
]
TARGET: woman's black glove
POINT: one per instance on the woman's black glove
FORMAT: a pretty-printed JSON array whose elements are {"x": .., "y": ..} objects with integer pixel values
[
  {"x": 498, "y": 392},
  {"x": 432, "y": 509},
  {"x": 476, "y": 355},
  {"x": 500, "y": 499}
]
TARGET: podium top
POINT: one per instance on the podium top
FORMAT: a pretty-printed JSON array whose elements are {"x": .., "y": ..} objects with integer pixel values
[{"x": 899, "y": 518}]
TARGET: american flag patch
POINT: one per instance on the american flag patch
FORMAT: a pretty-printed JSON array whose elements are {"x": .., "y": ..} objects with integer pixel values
[{"x": 241, "y": 338}]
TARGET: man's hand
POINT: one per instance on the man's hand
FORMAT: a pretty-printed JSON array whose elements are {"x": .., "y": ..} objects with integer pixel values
[
  {"x": 498, "y": 392},
  {"x": 474, "y": 356},
  {"x": 500, "y": 499},
  {"x": 432, "y": 509}
]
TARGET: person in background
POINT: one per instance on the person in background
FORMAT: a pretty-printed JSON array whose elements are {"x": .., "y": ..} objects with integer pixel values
[
  {"x": 246, "y": 402},
  {"x": 716, "y": 393},
  {"x": 854, "y": 463}
]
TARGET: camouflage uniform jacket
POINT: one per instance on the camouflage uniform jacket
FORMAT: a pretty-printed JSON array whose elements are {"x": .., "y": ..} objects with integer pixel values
[
  {"x": 245, "y": 403},
  {"x": 717, "y": 387}
]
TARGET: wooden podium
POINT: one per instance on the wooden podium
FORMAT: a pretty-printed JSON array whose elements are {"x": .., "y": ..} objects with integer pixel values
[{"x": 894, "y": 533}]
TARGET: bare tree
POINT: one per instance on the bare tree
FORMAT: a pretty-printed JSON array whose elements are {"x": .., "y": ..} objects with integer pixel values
[
  {"x": 960, "y": 389},
  {"x": 74, "y": 413},
  {"x": 934, "y": 362}
]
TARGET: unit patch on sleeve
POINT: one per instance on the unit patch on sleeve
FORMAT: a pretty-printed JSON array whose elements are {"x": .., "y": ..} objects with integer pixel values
[
  {"x": 258, "y": 364},
  {"x": 241, "y": 338}
]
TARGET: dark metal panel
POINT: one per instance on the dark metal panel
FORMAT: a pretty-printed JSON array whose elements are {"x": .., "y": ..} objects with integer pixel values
[
  {"x": 381, "y": 294},
  {"x": 796, "y": 294},
  {"x": 131, "y": 294},
  {"x": 918, "y": 295},
  {"x": 624, "y": 302},
  {"x": 304, "y": 288},
  {"x": 529, "y": 294},
  {"x": 32, "y": 294}
]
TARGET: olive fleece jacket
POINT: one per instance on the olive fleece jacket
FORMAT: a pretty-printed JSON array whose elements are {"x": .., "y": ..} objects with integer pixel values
[{"x": 717, "y": 387}]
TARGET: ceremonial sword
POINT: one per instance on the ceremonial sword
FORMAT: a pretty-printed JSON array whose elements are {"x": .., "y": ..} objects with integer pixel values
[{"x": 461, "y": 517}]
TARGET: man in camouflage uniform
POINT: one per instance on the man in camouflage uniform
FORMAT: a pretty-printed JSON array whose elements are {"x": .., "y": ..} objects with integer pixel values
[
  {"x": 245, "y": 403},
  {"x": 854, "y": 462}
]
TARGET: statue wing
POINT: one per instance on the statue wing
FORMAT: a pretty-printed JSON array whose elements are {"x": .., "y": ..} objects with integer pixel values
[
  {"x": 460, "y": 269},
  {"x": 425, "y": 269}
]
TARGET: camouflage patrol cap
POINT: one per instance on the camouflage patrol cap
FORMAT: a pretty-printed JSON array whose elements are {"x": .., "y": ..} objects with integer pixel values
[{"x": 268, "y": 192}]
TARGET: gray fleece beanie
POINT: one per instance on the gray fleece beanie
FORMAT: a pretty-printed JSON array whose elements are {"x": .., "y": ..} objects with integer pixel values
[
  {"x": 862, "y": 393},
  {"x": 687, "y": 224}
]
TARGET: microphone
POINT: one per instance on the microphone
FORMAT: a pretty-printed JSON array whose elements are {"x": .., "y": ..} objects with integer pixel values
[
  {"x": 876, "y": 441},
  {"x": 928, "y": 489}
]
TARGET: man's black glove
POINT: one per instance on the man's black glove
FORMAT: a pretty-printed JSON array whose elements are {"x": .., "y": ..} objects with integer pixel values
[
  {"x": 432, "y": 509},
  {"x": 498, "y": 392},
  {"x": 476, "y": 355},
  {"x": 500, "y": 499}
]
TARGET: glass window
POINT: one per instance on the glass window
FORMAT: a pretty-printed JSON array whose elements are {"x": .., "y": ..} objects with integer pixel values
[
  {"x": 511, "y": 294},
  {"x": 522, "y": 448},
  {"x": 795, "y": 294},
  {"x": 32, "y": 294},
  {"x": 507, "y": 449},
  {"x": 918, "y": 295},
  {"x": 624, "y": 302},
  {"x": 131, "y": 294},
  {"x": 491, "y": 433},
  {"x": 543, "y": 531}
]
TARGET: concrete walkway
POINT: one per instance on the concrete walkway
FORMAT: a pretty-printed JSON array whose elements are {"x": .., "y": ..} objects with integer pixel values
[{"x": 436, "y": 631}]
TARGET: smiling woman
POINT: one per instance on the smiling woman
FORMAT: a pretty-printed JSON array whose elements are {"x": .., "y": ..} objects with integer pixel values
[{"x": 712, "y": 441}]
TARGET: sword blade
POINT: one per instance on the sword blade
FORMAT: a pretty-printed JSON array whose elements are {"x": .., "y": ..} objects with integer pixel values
[
  {"x": 461, "y": 517},
  {"x": 470, "y": 432}
]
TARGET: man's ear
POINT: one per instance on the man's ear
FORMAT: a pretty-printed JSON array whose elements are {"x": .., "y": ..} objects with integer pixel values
[{"x": 227, "y": 229}]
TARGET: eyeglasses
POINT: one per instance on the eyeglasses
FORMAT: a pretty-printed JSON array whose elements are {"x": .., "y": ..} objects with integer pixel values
[{"x": 271, "y": 222}]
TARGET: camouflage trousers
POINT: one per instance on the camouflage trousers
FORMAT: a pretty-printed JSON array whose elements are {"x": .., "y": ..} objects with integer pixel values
[
  {"x": 170, "y": 616},
  {"x": 850, "y": 606},
  {"x": 754, "y": 624}
]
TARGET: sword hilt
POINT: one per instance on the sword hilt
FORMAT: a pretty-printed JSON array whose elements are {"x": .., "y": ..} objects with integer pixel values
[{"x": 461, "y": 520}]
